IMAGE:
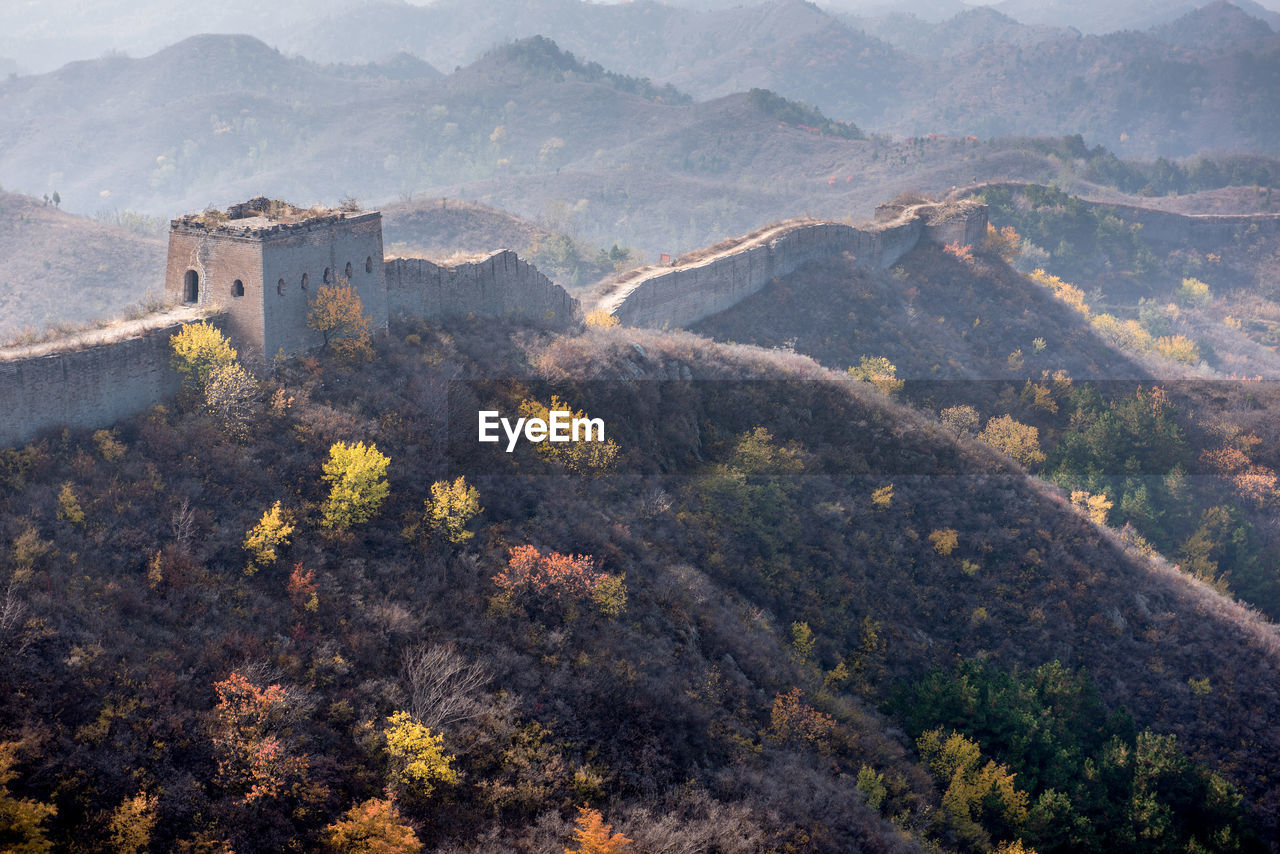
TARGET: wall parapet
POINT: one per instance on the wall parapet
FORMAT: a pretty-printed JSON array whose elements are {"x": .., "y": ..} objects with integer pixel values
[
  {"x": 92, "y": 379},
  {"x": 713, "y": 281}
]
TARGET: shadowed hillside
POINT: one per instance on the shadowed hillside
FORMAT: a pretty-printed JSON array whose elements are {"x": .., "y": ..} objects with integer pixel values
[{"x": 789, "y": 555}]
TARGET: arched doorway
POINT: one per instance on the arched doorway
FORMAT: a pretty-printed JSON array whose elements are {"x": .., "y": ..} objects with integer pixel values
[{"x": 191, "y": 287}]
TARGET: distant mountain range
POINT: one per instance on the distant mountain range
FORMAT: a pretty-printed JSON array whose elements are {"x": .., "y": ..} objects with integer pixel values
[
  {"x": 1181, "y": 79},
  {"x": 672, "y": 143},
  {"x": 527, "y": 127}
]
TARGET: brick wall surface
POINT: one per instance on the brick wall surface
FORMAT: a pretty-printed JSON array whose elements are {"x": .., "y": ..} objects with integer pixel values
[{"x": 88, "y": 387}]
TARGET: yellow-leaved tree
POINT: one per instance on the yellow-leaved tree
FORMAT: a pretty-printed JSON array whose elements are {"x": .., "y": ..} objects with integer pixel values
[
  {"x": 198, "y": 349},
  {"x": 337, "y": 313},
  {"x": 589, "y": 454},
  {"x": 1013, "y": 438},
  {"x": 878, "y": 371},
  {"x": 977, "y": 794},
  {"x": 21, "y": 819},
  {"x": 600, "y": 319},
  {"x": 132, "y": 824},
  {"x": 418, "y": 760},
  {"x": 447, "y": 512},
  {"x": 357, "y": 478},
  {"x": 271, "y": 533},
  {"x": 207, "y": 364}
]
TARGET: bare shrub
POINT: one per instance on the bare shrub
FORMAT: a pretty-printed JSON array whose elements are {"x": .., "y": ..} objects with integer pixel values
[{"x": 442, "y": 685}]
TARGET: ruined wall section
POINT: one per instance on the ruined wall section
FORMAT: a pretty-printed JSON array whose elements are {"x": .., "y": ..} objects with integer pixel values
[
  {"x": 91, "y": 380},
  {"x": 501, "y": 285},
  {"x": 674, "y": 297}
]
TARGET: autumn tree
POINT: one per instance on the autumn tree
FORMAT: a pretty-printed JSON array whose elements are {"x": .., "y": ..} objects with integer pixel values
[
  {"x": 600, "y": 319},
  {"x": 249, "y": 735},
  {"x": 373, "y": 827},
  {"x": 586, "y": 457},
  {"x": 417, "y": 757},
  {"x": 978, "y": 796},
  {"x": 132, "y": 824},
  {"x": 559, "y": 578},
  {"x": 210, "y": 373},
  {"x": 301, "y": 587},
  {"x": 1005, "y": 242},
  {"x": 944, "y": 540},
  {"x": 21, "y": 819},
  {"x": 271, "y": 533},
  {"x": 198, "y": 349},
  {"x": 68, "y": 505},
  {"x": 962, "y": 420},
  {"x": 1014, "y": 439},
  {"x": 879, "y": 372},
  {"x": 593, "y": 836},
  {"x": 1095, "y": 507},
  {"x": 793, "y": 721},
  {"x": 357, "y": 478},
  {"x": 447, "y": 513},
  {"x": 337, "y": 313}
]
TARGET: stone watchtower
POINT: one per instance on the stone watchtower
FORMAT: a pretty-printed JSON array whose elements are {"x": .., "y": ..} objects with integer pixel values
[{"x": 262, "y": 261}]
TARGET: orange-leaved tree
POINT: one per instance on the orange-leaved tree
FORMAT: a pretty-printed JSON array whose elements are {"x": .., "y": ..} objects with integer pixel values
[
  {"x": 337, "y": 313},
  {"x": 373, "y": 827},
  {"x": 793, "y": 721},
  {"x": 529, "y": 574},
  {"x": 593, "y": 836}
]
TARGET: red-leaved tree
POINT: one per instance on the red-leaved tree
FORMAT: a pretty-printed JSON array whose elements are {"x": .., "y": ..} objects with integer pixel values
[{"x": 555, "y": 576}]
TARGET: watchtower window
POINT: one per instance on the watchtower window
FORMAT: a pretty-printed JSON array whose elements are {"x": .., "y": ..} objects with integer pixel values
[
  {"x": 237, "y": 288},
  {"x": 348, "y": 270},
  {"x": 191, "y": 287},
  {"x": 328, "y": 276},
  {"x": 368, "y": 264},
  {"x": 306, "y": 281},
  {"x": 280, "y": 287}
]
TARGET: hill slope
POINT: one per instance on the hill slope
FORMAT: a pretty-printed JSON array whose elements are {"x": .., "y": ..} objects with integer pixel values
[
  {"x": 59, "y": 268},
  {"x": 776, "y": 603}
]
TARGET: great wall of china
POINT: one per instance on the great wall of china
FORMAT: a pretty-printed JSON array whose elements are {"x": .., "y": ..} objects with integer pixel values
[
  {"x": 713, "y": 280},
  {"x": 94, "y": 379}
]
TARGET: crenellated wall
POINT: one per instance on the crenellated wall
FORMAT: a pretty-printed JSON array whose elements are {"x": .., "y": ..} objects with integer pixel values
[
  {"x": 690, "y": 291},
  {"x": 501, "y": 285}
]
